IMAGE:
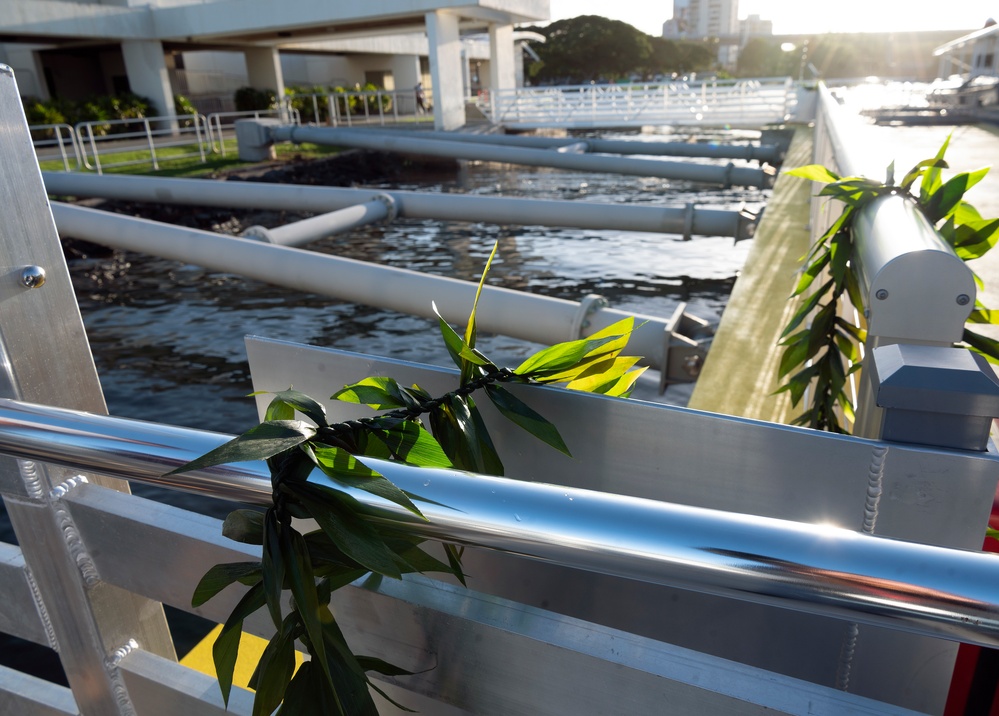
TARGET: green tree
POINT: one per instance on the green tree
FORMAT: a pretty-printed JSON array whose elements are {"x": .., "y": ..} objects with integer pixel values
[{"x": 590, "y": 47}]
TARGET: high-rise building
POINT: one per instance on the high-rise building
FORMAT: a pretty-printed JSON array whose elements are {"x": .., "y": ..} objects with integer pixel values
[{"x": 703, "y": 18}]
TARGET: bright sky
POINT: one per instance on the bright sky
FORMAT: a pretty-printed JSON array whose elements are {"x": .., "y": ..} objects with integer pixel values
[{"x": 805, "y": 16}]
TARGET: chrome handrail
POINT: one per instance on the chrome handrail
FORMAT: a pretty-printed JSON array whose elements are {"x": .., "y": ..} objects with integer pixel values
[{"x": 946, "y": 593}]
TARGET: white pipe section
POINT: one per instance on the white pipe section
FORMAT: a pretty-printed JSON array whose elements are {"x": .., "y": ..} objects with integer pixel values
[
  {"x": 511, "y": 313},
  {"x": 729, "y": 175},
  {"x": 761, "y": 152},
  {"x": 301, "y": 233},
  {"x": 409, "y": 204}
]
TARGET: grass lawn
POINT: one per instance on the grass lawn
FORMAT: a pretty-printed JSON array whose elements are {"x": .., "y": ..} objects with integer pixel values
[{"x": 174, "y": 162}]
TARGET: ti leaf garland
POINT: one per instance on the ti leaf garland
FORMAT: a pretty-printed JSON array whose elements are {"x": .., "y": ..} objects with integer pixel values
[
  {"x": 821, "y": 348},
  {"x": 347, "y": 546}
]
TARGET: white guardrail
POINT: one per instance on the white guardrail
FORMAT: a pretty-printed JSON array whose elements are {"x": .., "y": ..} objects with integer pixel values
[
  {"x": 361, "y": 106},
  {"x": 711, "y": 103}
]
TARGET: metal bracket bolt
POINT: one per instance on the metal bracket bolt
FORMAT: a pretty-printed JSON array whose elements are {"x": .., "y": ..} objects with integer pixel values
[
  {"x": 963, "y": 299},
  {"x": 32, "y": 276},
  {"x": 881, "y": 295}
]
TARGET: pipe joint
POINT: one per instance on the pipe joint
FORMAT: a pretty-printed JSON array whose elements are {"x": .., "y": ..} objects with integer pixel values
[
  {"x": 391, "y": 206},
  {"x": 587, "y": 307}
]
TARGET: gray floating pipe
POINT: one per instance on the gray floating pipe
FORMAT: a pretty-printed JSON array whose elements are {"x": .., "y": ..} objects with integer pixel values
[
  {"x": 527, "y": 316},
  {"x": 916, "y": 588},
  {"x": 409, "y": 204},
  {"x": 729, "y": 175},
  {"x": 761, "y": 152},
  {"x": 301, "y": 233}
]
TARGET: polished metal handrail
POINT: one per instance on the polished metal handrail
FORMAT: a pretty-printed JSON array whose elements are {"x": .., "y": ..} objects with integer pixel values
[{"x": 917, "y": 588}]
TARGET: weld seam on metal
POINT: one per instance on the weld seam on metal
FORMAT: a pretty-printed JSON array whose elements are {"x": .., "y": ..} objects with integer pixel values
[
  {"x": 872, "y": 502},
  {"x": 111, "y": 663},
  {"x": 71, "y": 535},
  {"x": 43, "y": 612},
  {"x": 34, "y": 484}
]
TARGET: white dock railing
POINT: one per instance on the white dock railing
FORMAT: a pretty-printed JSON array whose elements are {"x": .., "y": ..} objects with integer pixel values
[
  {"x": 713, "y": 103},
  {"x": 708, "y": 581}
]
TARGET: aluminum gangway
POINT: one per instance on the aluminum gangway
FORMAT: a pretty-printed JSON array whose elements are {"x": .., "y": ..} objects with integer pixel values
[
  {"x": 711, "y": 563},
  {"x": 747, "y": 103}
]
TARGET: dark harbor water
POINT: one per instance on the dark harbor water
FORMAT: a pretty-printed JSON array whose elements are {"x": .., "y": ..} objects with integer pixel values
[{"x": 167, "y": 337}]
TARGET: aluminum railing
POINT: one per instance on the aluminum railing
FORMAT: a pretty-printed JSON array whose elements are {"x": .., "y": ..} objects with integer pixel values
[
  {"x": 350, "y": 107},
  {"x": 836, "y": 572},
  {"x": 712, "y": 103},
  {"x": 63, "y": 140},
  {"x": 149, "y": 136}
]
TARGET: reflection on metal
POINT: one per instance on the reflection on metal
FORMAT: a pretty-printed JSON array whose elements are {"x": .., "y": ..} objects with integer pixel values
[
  {"x": 413, "y": 144},
  {"x": 911, "y": 587},
  {"x": 410, "y": 204},
  {"x": 32, "y": 276}
]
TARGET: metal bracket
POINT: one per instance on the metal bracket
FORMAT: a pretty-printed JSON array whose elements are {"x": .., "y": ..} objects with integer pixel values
[{"x": 686, "y": 339}]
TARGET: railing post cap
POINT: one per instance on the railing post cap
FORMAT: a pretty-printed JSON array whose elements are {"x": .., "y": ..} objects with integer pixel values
[{"x": 935, "y": 395}]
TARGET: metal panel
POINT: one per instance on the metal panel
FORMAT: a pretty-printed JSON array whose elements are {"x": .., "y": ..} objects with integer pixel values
[
  {"x": 25, "y": 695},
  {"x": 689, "y": 457},
  {"x": 19, "y": 616},
  {"x": 160, "y": 687},
  {"x": 45, "y": 358},
  {"x": 469, "y": 648}
]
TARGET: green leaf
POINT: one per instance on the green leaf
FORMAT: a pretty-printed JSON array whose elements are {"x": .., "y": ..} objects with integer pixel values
[
  {"x": 981, "y": 314},
  {"x": 806, "y": 308},
  {"x": 602, "y": 374},
  {"x": 463, "y": 436},
  {"x": 275, "y": 668},
  {"x": 411, "y": 443},
  {"x": 623, "y": 386},
  {"x": 461, "y": 353},
  {"x": 246, "y": 526},
  {"x": 348, "y": 470},
  {"x": 470, "y": 328},
  {"x": 988, "y": 347},
  {"x": 226, "y": 646},
  {"x": 301, "y": 579},
  {"x": 257, "y": 443},
  {"x": 274, "y": 566},
  {"x": 521, "y": 414},
  {"x": 560, "y": 356},
  {"x": 919, "y": 170},
  {"x": 989, "y": 532},
  {"x": 378, "y": 392},
  {"x": 814, "y": 172},
  {"x": 297, "y": 401},
  {"x": 454, "y": 554},
  {"x": 811, "y": 271},
  {"x": 794, "y": 354},
  {"x": 931, "y": 179},
  {"x": 890, "y": 174},
  {"x": 339, "y": 519},
  {"x": 279, "y": 410},
  {"x": 221, "y": 576},
  {"x": 946, "y": 198}
]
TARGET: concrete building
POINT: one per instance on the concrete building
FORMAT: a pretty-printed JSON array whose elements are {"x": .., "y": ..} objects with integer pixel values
[
  {"x": 156, "y": 48},
  {"x": 707, "y": 19}
]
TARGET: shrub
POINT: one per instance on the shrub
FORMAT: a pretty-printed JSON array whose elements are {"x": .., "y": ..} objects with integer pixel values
[{"x": 248, "y": 99}]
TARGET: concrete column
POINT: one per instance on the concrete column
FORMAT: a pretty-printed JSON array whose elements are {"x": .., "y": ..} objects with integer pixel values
[
  {"x": 406, "y": 72},
  {"x": 502, "y": 69},
  {"x": 445, "y": 69},
  {"x": 145, "y": 65},
  {"x": 263, "y": 68}
]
